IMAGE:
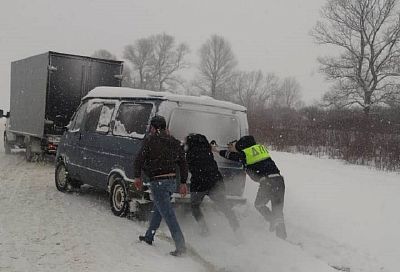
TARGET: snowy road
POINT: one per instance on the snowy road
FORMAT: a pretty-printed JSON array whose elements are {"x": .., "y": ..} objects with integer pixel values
[{"x": 338, "y": 215}]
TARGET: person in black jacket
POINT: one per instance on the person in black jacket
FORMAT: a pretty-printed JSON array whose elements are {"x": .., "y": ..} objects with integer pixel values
[
  {"x": 261, "y": 168},
  {"x": 159, "y": 159},
  {"x": 206, "y": 179}
]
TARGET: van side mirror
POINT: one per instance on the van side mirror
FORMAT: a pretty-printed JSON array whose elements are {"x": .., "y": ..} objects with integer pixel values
[
  {"x": 1, "y": 113},
  {"x": 8, "y": 114}
]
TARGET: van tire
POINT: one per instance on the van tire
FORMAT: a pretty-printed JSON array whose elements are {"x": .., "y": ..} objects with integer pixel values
[
  {"x": 61, "y": 177},
  {"x": 119, "y": 201}
]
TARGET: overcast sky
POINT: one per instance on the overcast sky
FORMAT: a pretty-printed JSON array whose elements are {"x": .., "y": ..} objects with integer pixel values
[{"x": 270, "y": 35}]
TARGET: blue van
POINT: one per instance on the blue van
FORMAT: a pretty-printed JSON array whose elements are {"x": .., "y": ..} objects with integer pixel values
[{"x": 107, "y": 130}]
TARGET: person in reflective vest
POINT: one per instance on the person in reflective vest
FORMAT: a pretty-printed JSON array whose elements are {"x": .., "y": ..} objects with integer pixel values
[{"x": 261, "y": 168}]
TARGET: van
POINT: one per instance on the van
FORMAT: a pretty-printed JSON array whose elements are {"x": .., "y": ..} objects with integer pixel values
[{"x": 106, "y": 132}]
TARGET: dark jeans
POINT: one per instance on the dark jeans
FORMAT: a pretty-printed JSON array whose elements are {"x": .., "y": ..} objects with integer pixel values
[
  {"x": 271, "y": 189},
  {"x": 161, "y": 191},
  {"x": 216, "y": 194}
]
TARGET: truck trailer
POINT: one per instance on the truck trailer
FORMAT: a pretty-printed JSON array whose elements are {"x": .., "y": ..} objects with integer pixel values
[{"x": 45, "y": 91}]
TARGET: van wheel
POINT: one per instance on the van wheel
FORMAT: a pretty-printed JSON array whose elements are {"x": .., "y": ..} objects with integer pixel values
[
  {"x": 119, "y": 198},
  {"x": 28, "y": 153},
  {"x": 61, "y": 177},
  {"x": 7, "y": 147}
]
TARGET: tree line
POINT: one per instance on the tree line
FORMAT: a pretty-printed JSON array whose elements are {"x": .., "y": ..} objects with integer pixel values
[
  {"x": 345, "y": 134},
  {"x": 357, "y": 119},
  {"x": 156, "y": 63}
]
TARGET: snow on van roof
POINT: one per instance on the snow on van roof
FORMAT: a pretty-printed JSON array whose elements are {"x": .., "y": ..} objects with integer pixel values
[{"x": 122, "y": 92}]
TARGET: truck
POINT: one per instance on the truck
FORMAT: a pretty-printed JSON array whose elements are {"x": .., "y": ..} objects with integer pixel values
[{"x": 45, "y": 91}]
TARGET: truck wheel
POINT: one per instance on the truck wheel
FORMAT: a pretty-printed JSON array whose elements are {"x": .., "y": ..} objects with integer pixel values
[
  {"x": 28, "y": 153},
  {"x": 7, "y": 147},
  {"x": 61, "y": 177},
  {"x": 119, "y": 198}
]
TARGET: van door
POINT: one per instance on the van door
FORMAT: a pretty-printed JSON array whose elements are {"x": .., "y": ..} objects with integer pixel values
[
  {"x": 130, "y": 126},
  {"x": 220, "y": 125},
  {"x": 71, "y": 140},
  {"x": 96, "y": 142}
]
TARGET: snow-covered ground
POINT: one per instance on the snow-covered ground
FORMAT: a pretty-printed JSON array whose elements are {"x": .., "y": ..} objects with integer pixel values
[{"x": 337, "y": 215}]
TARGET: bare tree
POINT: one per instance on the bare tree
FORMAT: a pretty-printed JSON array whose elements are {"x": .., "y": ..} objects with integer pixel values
[
  {"x": 252, "y": 89},
  {"x": 127, "y": 80},
  {"x": 367, "y": 32},
  {"x": 104, "y": 54},
  {"x": 217, "y": 63},
  {"x": 167, "y": 58},
  {"x": 140, "y": 55},
  {"x": 289, "y": 94}
]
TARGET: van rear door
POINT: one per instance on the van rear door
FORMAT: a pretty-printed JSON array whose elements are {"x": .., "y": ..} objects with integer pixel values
[{"x": 217, "y": 124}]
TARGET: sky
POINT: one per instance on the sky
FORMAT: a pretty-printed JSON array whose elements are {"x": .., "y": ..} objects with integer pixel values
[{"x": 267, "y": 35}]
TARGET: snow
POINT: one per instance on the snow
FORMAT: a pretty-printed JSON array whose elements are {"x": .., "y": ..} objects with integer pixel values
[
  {"x": 119, "y": 129},
  {"x": 122, "y": 92},
  {"x": 105, "y": 118},
  {"x": 337, "y": 215}
]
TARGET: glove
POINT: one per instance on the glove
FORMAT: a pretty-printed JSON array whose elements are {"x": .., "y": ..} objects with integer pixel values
[
  {"x": 183, "y": 189},
  {"x": 214, "y": 146},
  {"x": 138, "y": 184},
  {"x": 232, "y": 146}
]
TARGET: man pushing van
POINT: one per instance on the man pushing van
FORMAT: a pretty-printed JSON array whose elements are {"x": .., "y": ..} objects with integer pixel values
[
  {"x": 159, "y": 159},
  {"x": 262, "y": 169}
]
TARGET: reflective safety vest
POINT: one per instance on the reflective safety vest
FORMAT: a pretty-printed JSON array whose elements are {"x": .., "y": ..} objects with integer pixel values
[{"x": 256, "y": 153}]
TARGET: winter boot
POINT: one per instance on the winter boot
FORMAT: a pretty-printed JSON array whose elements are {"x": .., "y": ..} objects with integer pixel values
[
  {"x": 178, "y": 252},
  {"x": 280, "y": 228},
  {"x": 145, "y": 239}
]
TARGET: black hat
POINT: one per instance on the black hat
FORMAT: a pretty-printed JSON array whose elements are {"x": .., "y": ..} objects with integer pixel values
[
  {"x": 158, "y": 122},
  {"x": 245, "y": 142},
  {"x": 197, "y": 140}
]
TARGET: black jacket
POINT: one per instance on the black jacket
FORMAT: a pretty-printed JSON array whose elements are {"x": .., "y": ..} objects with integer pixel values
[
  {"x": 202, "y": 166},
  {"x": 161, "y": 154},
  {"x": 255, "y": 171}
]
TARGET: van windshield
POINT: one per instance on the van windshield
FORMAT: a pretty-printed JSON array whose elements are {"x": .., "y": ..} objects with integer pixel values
[{"x": 222, "y": 128}]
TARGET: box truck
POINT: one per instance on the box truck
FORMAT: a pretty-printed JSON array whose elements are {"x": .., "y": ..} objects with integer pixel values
[{"x": 45, "y": 91}]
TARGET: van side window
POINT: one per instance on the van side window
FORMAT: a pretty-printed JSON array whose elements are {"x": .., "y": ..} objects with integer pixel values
[
  {"x": 105, "y": 118},
  {"x": 92, "y": 117},
  {"x": 132, "y": 119},
  {"x": 76, "y": 123}
]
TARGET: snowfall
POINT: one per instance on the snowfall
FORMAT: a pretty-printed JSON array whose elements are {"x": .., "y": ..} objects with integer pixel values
[{"x": 338, "y": 217}]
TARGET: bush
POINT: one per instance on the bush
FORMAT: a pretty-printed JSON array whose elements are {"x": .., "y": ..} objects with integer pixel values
[{"x": 345, "y": 134}]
